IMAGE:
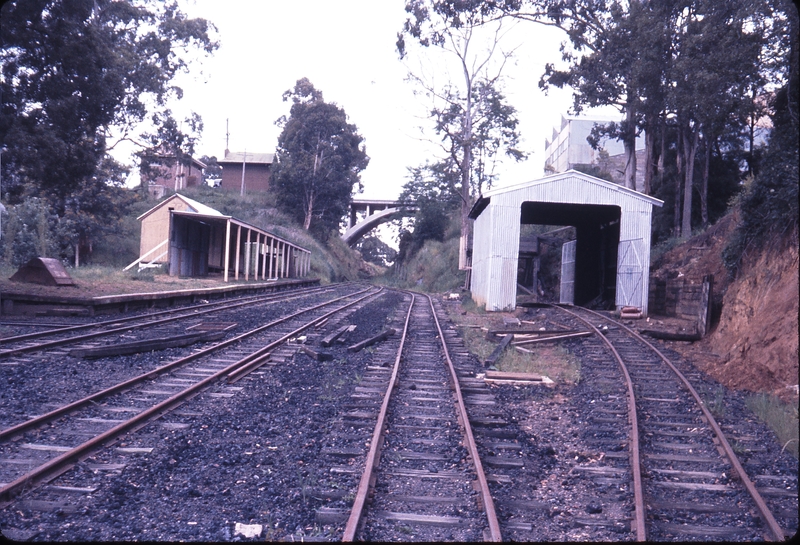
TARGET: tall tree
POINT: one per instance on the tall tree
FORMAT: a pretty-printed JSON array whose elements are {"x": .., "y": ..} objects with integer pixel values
[
  {"x": 476, "y": 124},
  {"x": 73, "y": 72},
  {"x": 694, "y": 64},
  {"x": 319, "y": 158}
]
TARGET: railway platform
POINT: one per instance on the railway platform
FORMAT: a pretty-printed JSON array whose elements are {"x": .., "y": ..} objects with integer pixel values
[{"x": 32, "y": 304}]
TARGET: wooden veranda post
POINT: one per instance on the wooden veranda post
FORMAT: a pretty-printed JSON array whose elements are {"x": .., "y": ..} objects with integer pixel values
[
  {"x": 238, "y": 249},
  {"x": 227, "y": 250}
]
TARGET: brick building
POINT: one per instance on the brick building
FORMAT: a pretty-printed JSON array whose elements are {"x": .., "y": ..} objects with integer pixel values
[
  {"x": 163, "y": 171},
  {"x": 245, "y": 171}
]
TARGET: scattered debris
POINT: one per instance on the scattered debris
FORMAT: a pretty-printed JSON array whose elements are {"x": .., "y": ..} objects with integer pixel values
[
  {"x": 551, "y": 338},
  {"x": 520, "y": 332},
  {"x": 147, "y": 345},
  {"x": 329, "y": 340},
  {"x": 247, "y": 530},
  {"x": 319, "y": 356},
  {"x": 385, "y": 334},
  {"x": 630, "y": 313},
  {"x": 510, "y": 320},
  {"x": 492, "y": 359}
]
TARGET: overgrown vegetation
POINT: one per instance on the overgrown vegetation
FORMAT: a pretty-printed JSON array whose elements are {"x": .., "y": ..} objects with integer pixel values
[
  {"x": 782, "y": 417},
  {"x": 28, "y": 233},
  {"x": 769, "y": 208},
  {"x": 428, "y": 264},
  {"x": 108, "y": 67}
]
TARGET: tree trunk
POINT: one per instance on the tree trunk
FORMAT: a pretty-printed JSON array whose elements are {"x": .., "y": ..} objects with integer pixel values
[
  {"x": 690, "y": 147},
  {"x": 465, "y": 207},
  {"x": 309, "y": 212},
  {"x": 629, "y": 143},
  {"x": 679, "y": 163},
  {"x": 704, "y": 188},
  {"x": 649, "y": 163},
  {"x": 466, "y": 169}
]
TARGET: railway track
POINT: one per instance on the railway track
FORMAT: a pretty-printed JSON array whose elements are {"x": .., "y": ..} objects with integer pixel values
[
  {"x": 45, "y": 446},
  {"x": 687, "y": 481},
  {"x": 88, "y": 333},
  {"x": 423, "y": 467},
  {"x": 299, "y": 467}
]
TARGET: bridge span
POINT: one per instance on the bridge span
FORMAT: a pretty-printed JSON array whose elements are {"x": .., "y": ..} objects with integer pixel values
[{"x": 377, "y": 212}]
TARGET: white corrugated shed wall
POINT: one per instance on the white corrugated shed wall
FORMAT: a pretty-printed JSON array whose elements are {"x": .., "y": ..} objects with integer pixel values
[
  {"x": 495, "y": 258},
  {"x": 496, "y": 241}
]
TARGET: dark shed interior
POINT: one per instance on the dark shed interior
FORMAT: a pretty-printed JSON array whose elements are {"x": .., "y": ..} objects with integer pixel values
[{"x": 597, "y": 228}]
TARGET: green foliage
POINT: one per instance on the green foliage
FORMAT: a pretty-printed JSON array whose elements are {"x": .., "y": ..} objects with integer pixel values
[
  {"x": 71, "y": 69},
  {"x": 27, "y": 232},
  {"x": 769, "y": 209},
  {"x": 594, "y": 170},
  {"x": 433, "y": 265},
  {"x": 319, "y": 158},
  {"x": 780, "y": 416},
  {"x": 213, "y": 170},
  {"x": 432, "y": 188},
  {"x": 374, "y": 250}
]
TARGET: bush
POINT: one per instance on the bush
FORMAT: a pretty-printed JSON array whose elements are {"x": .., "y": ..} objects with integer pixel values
[{"x": 27, "y": 232}]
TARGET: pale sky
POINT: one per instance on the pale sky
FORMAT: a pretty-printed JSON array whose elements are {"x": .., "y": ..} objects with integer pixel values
[{"x": 346, "y": 48}]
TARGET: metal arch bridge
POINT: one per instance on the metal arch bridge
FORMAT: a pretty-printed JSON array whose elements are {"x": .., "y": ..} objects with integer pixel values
[{"x": 377, "y": 212}]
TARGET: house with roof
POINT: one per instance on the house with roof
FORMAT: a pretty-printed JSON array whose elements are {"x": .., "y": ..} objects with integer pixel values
[
  {"x": 192, "y": 239},
  {"x": 162, "y": 170},
  {"x": 246, "y": 171}
]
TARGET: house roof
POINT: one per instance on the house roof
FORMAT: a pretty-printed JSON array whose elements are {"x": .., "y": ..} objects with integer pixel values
[
  {"x": 161, "y": 154},
  {"x": 194, "y": 206},
  {"x": 248, "y": 157}
]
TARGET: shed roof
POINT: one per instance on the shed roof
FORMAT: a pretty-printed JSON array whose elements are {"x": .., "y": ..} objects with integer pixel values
[
  {"x": 194, "y": 206},
  {"x": 200, "y": 211},
  {"x": 248, "y": 157},
  {"x": 590, "y": 181}
]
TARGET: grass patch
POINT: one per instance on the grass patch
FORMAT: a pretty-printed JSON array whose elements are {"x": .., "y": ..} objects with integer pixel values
[
  {"x": 555, "y": 362},
  {"x": 550, "y": 360},
  {"x": 716, "y": 402},
  {"x": 782, "y": 417}
]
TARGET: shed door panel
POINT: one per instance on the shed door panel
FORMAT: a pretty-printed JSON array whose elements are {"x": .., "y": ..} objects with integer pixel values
[
  {"x": 568, "y": 273},
  {"x": 629, "y": 273}
]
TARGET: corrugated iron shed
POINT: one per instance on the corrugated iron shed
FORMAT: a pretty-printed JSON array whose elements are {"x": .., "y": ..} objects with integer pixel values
[{"x": 613, "y": 223}]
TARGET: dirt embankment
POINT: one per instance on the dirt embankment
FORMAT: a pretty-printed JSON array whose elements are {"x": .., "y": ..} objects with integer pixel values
[
  {"x": 758, "y": 330},
  {"x": 754, "y": 343}
]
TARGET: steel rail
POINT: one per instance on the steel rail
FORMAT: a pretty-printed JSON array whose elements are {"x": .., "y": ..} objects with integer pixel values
[
  {"x": 764, "y": 511},
  {"x": 41, "y": 419},
  {"x": 486, "y": 495},
  {"x": 374, "y": 454},
  {"x": 184, "y": 312},
  {"x": 61, "y": 463},
  {"x": 636, "y": 467}
]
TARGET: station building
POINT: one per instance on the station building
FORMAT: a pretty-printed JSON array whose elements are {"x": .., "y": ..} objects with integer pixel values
[{"x": 193, "y": 239}]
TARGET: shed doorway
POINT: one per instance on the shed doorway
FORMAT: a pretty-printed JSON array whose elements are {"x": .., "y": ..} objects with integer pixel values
[{"x": 593, "y": 253}]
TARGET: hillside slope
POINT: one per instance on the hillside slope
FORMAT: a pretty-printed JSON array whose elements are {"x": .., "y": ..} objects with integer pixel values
[{"x": 754, "y": 343}]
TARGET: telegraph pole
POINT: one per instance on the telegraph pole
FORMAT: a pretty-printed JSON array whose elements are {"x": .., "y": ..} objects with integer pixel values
[{"x": 244, "y": 160}]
